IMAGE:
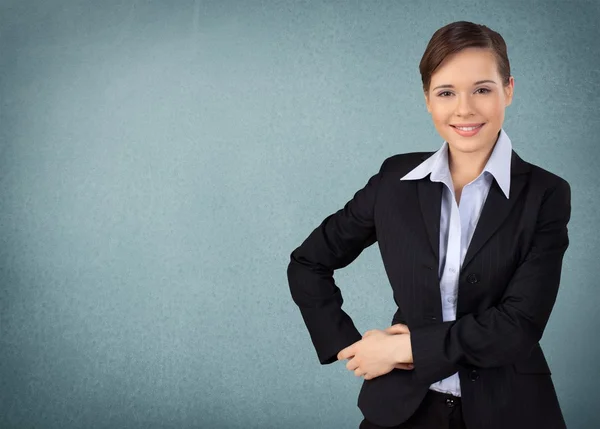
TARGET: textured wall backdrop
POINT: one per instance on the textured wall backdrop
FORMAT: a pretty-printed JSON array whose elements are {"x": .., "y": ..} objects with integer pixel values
[{"x": 159, "y": 161}]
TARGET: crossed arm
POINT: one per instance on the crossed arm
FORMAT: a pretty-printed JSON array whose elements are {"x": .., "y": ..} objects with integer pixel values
[{"x": 498, "y": 336}]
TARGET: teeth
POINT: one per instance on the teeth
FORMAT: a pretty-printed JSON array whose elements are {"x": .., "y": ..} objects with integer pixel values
[{"x": 468, "y": 128}]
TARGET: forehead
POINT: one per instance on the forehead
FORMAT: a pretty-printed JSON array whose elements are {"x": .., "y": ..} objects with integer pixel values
[{"x": 468, "y": 66}]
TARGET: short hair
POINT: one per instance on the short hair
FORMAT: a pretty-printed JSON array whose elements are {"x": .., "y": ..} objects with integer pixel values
[{"x": 455, "y": 37}]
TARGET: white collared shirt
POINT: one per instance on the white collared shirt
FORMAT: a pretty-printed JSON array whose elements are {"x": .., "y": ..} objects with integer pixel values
[{"x": 458, "y": 222}]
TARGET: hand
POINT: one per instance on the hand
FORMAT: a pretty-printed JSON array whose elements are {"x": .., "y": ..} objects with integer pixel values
[{"x": 376, "y": 354}]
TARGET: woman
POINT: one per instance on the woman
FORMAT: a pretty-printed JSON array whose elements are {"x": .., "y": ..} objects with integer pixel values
[{"x": 472, "y": 239}]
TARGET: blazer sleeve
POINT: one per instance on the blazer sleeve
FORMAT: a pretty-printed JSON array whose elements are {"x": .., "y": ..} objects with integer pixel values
[
  {"x": 503, "y": 334},
  {"x": 334, "y": 244}
]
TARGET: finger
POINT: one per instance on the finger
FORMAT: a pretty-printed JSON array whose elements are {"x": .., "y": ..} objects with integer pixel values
[
  {"x": 352, "y": 364},
  {"x": 405, "y": 366},
  {"x": 370, "y": 332},
  {"x": 359, "y": 372},
  {"x": 398, "y": 329},
  {"x": 346, "y": 353}
]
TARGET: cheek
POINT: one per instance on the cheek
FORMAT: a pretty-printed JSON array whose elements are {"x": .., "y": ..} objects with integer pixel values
[
  {"x": 440, "y": 117},
  {"x": 495, "y": 108},
  {"x": 441, "y": 122}
]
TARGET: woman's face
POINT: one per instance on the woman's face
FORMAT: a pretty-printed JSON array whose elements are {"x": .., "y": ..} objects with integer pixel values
[{"x": 467, "y": 90}]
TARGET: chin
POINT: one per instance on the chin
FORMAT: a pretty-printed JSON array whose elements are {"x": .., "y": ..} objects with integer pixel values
[{"x": 468, "y": 146}]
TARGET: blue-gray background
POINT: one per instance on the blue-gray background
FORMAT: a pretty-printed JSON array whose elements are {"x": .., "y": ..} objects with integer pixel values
[{"x": 161, "y": 159}]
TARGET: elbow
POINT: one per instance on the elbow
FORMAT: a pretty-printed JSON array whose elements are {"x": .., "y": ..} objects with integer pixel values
[{"x": 523, "y": 336}]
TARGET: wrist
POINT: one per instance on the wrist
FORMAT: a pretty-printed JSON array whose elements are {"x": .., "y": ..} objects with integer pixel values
[{"x": 402, "y": 349}]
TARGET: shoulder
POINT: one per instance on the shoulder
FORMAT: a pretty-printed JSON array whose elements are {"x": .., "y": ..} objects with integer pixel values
[
  {"x": 542, "y": 178},
  {"x": 545, "y": 184},
  {"x": 404, "y": 162}
]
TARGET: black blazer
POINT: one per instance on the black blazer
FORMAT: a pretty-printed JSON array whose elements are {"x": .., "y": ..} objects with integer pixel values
[{"x": 508, "y": 285}]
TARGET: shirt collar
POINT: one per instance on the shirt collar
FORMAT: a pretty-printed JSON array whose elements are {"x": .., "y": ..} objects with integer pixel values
[{"x": 498, "y": 164}]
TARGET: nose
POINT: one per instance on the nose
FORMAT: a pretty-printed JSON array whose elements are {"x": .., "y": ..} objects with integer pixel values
[{"x": 463, "y": 107}]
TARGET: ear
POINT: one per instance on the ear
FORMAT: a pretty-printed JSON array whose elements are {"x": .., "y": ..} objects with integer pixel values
[
  {"x": 427, "y": 104},
  {"x": 509, "y": 91}
]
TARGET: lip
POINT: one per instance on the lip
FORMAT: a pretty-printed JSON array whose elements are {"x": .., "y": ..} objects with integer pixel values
[{"x": 468, "y": 133}]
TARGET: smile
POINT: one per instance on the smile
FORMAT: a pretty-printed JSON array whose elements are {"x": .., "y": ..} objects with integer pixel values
[{"x": 467, "y": 131}]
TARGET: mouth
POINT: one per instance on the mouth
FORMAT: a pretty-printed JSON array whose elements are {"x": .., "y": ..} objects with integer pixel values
[{"x": 468, "y": 130}]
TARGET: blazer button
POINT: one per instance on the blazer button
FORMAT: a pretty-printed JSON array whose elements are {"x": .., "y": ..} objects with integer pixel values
[
  {"x": 472, "y": 278},
  {"x": 474, "y": 375}
]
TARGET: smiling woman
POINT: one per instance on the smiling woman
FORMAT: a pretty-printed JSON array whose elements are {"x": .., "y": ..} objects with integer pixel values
[{"x": 472, "y": 238}]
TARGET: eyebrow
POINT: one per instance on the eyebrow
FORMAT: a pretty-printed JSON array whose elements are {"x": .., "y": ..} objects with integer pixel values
[{"x": 479, "y": 82}]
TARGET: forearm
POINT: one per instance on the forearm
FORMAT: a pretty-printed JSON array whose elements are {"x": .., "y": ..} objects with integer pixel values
[
  {"x": 313, "y": 289},
  {"x": 320, "y": 303},
  {"x": 494, "y": 338},
  {"x": 334, "y": 244}
]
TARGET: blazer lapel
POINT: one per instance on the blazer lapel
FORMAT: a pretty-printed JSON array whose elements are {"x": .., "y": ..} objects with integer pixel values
[
  {"x": 430, "y": 202},
  {"x": 429, "y": 195},
  {"x": 496, "y": 207}
]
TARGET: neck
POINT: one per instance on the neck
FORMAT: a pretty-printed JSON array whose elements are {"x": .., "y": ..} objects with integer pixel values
[{"x": 465, "y": 167}]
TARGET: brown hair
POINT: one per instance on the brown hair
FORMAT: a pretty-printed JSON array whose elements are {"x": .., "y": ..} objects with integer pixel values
[{"x": 457, "y": 36}]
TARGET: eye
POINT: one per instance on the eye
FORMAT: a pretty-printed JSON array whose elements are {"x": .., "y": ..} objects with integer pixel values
[
  {"x": 441, "y": 94},
  {"x": 485, "y": 90}
]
